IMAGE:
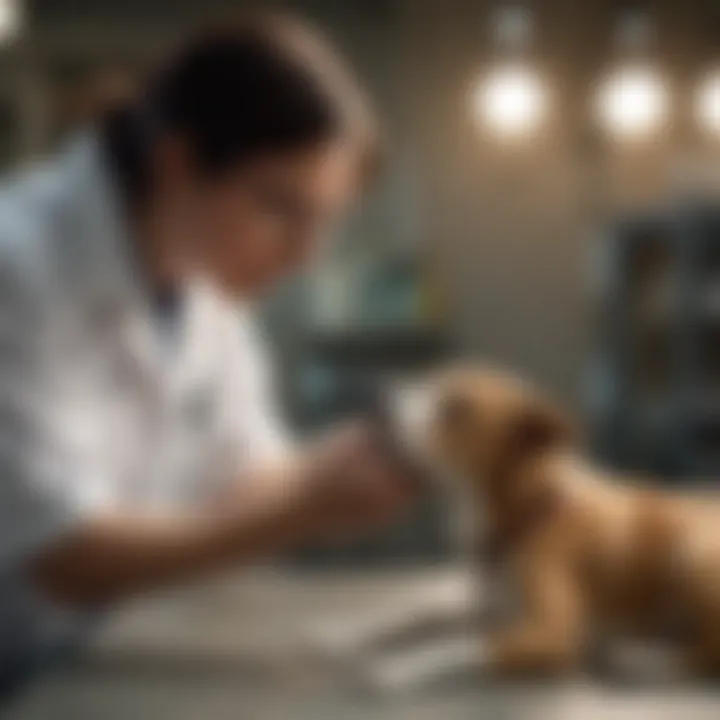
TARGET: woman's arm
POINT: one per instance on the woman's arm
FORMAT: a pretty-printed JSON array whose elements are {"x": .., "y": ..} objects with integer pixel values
[
  {"x": 341, "y": 488},
  {"x": 110, "y": 557},
  {"x": 58, "y": 538}
]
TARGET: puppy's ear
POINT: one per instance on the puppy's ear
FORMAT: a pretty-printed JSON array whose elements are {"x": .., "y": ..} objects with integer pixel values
[{"x": 541, "y": 426}]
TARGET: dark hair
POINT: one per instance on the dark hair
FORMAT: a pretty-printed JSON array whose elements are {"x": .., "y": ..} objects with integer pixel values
[{"x": 234, "y": 92}]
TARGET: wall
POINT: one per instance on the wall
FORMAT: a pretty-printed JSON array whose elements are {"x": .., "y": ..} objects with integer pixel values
[
  {"x": 505, "y": 228},
  {"x": 511, "y": 226}
]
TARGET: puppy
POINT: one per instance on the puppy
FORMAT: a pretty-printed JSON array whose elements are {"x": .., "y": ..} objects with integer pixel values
[{"x": 591, "y": 555}]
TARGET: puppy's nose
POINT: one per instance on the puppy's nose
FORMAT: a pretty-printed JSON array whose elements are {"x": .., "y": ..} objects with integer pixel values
[{"x": 410, "y": 410}]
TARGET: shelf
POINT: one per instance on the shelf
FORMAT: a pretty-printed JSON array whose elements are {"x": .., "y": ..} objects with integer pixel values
[
  {"x": 373, "y": 347},
  {"x": 659, "y": 315}
]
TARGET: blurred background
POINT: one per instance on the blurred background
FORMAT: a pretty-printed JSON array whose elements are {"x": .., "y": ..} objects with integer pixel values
[{"x": 550, "y": 201}]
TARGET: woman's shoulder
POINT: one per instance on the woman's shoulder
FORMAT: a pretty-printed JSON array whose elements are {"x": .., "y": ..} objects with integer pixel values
[{"x": 29, "y": 200}]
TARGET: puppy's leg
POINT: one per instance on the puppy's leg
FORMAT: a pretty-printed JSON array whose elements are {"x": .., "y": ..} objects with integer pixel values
[
  {"x": 702, "y": 661},
  {"x": 431, "y": 666},
  {"x": 700, "y": 597},
  {"x": 548, "y": 639},
  {"x": 445, "y": 608}
]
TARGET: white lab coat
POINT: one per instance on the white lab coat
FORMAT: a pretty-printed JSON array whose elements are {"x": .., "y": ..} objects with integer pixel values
[{"x": 95, "y": 413}]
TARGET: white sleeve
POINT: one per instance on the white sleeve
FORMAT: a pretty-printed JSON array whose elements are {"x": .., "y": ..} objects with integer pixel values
[
  {"x": 36, "y": 504},
  {"x": 256, "y": 429}
]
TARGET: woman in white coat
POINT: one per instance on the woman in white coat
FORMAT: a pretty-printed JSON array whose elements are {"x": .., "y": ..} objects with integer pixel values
[{"x": 138, "y": 442}]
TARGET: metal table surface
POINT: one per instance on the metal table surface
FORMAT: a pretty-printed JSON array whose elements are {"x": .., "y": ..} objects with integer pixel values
[{"x": 238, "y": 649}]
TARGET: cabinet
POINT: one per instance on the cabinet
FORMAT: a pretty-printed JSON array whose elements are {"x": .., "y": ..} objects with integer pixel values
[{"x": 657, "y": 378}]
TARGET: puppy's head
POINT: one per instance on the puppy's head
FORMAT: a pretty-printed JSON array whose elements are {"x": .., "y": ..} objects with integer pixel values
[{"x": 482, "y": 424}]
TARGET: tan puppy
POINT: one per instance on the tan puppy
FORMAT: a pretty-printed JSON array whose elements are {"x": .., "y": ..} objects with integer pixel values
[{"x": 592, "y": 556}]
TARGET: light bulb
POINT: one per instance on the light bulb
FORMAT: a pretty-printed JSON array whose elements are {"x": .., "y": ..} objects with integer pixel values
[
  {"x": 10, "y": 19},
  {"x": 707, "y": 103},
  {"x": 633, "y": 102},
  {"x": 511, "y": 101}
]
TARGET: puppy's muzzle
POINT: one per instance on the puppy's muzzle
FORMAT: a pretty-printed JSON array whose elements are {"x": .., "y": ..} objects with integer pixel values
[{"x": 405, "y": 413}]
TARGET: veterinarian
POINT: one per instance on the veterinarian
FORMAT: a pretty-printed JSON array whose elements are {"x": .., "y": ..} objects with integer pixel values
[{"x": 139, "y": 444}]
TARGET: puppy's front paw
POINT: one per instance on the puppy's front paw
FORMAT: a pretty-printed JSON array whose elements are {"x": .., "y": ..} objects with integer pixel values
[
  {"x": 441, "y": 665},
  {"x": 636, "y": 664}
]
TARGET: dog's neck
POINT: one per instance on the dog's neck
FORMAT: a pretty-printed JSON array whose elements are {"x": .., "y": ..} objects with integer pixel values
[
  {"x": 576, "y": 479},
  {"x": 529, "y": 495}
]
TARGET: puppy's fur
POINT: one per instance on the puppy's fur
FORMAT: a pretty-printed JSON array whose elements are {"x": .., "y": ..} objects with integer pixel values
[{"x": 592, "y": 556}]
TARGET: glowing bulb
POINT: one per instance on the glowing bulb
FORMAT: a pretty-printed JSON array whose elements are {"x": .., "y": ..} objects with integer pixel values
[
  {"x": 707, "y": 106},
  {"x": 10, "y": 12},
  {"x": 633, "y": 102},
  {"x": 511, "y": 101}
]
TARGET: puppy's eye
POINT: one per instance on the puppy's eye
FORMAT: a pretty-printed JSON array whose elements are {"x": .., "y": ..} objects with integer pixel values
[{"x": 455, "y": 410}]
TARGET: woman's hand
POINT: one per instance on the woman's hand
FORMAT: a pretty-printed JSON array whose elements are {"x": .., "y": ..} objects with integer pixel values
[{"x": 348, "y": 483}]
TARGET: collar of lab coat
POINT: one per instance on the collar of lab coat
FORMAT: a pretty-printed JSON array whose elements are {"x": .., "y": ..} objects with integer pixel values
[{"x": 113, "y": 285}]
